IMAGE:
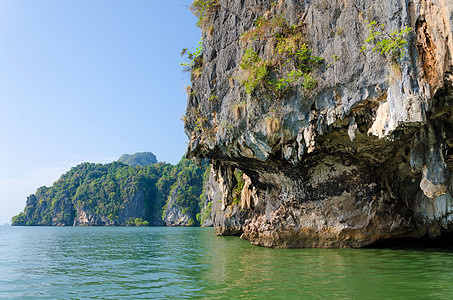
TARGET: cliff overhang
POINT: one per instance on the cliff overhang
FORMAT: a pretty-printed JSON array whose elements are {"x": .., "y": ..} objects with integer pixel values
[{"x": 364, "y": 156}]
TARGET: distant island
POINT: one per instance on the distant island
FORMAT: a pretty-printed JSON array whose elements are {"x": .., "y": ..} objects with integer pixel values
[
  {"x": 136, "y": 190},
  {"x": 138, "y": 159}
]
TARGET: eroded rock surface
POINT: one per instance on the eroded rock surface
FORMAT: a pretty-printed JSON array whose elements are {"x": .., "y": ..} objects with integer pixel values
[
  {"x": 175, "y": 215},
  {"x": 364, "y": 157},
  {"x": 134, "y": 206}
]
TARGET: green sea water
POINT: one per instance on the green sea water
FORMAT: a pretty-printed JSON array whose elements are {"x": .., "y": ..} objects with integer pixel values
[{"x": 177, "y": 263}]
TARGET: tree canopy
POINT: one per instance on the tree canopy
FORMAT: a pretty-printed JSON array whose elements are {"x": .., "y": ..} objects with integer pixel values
[{"x": 106, "y": 192}]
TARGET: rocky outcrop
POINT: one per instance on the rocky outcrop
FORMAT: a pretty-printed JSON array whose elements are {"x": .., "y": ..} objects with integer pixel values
[
  {"x": 134, "y": 207},
  {"x": 38, "y": 206},
  {"x": 209, "y": 200},
  {"x": 174, "y": 214},
  {"x": 227, "y": 220},
  {"x": 365, "y": 156},
  {"x": 138, "y": 159}
]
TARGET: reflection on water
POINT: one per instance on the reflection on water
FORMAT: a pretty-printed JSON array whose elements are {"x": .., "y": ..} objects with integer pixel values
[{"x": 106, "y": 262}]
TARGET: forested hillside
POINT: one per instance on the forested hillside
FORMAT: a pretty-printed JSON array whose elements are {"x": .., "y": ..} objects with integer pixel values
[{"x": 116, "y": 194}]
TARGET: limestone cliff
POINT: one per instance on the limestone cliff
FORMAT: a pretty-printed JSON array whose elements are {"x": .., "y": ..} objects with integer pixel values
[
  {"x": 117, "y": 194},
  {"x": 362, "y": 155},
  {"x": 182, "y": 206},
  {"x": 227, "y": 220},
  {"x": 174, "y": 214},
  {"x": 134, "y": 207}
]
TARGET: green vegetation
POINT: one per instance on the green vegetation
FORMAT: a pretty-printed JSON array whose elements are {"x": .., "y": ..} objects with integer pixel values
[
  {"x": 136, "y": 222},
  {"x": 195, "y": 59},
  {"x": 200, "y": 123},
  {"x": 291, "y": 61},
  {"x": 100, "y": 190},
  {"x": 284, "y": 64},
  {"x": 257, "y": 68},
  {"x": 335, "y": 58},
  {"x": 203, "y": 9},
  {"x": 205, "y": 215},
  {"x": 138, "y": 159},
  {"x": 389, "y": 44},
  {"x": 213, "y": 98},
  {"x": 191, "y": 222},
  {"x": 105, "y": 192},
  {"x": 239, "y": 175},
  {"x": 187, "y": 186},
  {"x": 265, "y": 28}
]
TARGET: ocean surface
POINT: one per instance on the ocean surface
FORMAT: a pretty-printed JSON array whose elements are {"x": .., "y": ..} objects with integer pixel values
[{"x": 178, "y": 263}]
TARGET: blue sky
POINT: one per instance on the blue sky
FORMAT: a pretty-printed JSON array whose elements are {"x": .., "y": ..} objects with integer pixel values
[{"x": 88, "y": 80}]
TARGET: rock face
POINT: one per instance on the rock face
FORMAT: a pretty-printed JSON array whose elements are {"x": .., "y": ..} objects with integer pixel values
[
  {"x": 227, "y": 220},
  {"x": 134, "y": 207},
  {"x": 209, "y": 200},
  {"x": 175, "y": 215},
  {"x": 37, "y": 204},
  {"x": 182, "y": 207},
  {"x": 64, "y": 212},
  {"x": 138, "y": 159},
  {"x": 364, "y": 157}
]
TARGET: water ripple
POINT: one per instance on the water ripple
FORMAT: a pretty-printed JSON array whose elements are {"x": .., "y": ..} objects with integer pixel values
[{"x": 187, "y": 263}]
